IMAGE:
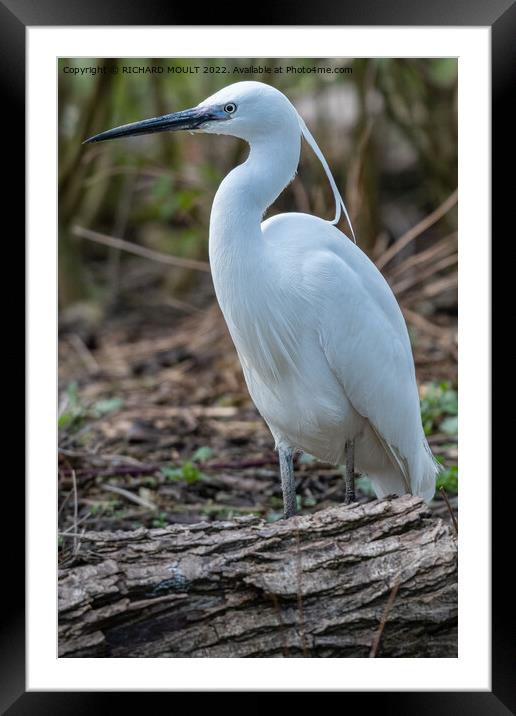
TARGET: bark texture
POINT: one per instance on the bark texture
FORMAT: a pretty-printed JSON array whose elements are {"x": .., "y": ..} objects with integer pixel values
[{"x": 374, "y": 579}]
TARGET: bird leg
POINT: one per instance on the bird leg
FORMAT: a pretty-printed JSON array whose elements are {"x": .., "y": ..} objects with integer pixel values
[
  {"x": 288, "y": 484},
  {"x": 350, "y": 472}
]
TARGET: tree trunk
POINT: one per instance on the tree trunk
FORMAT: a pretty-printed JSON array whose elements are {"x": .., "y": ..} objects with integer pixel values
[{"x": 374, "y": 579}]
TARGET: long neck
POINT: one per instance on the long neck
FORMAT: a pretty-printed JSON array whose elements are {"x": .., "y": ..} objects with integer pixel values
[
  {"x": 243, "y": 270},
  {"x": 247, "y": 191}
]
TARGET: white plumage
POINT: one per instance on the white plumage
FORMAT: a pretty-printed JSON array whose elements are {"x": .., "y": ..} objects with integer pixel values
[{"x": 320, "y": 336}]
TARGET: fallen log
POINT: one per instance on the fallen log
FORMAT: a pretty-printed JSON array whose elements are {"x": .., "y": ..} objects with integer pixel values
[{"x": 374, "y": 579}]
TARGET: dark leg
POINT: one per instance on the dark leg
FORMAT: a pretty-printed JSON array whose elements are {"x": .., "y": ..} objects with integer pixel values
[
  {"x": 288, "y": 484},
  {"x": 350, "y": 472}
]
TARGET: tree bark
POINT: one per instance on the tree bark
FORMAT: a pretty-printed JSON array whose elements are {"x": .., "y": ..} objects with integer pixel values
[{"x": 375, "y": 579}]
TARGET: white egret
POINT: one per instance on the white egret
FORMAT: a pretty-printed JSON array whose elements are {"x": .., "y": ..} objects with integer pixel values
[{"x": 322, "y": 341}]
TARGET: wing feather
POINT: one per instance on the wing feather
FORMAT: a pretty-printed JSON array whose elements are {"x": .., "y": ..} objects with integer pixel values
[{"x": 365, "y": 340}]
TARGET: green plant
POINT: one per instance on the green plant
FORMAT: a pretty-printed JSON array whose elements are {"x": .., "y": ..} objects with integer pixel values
[
  {"x": 202, "y": 454},
  {"x": 161, "y": 520},
  {"x": 439, "y": 409},
  {"x": 187, "y": 472},
  {"x": 449, "y": 479},
  {"x": 273, "y": 516},
  {"x": 364, "y": 485},
  {"x": 104, "y": 507},
  {"x": 309, "y": 502},
  {"x": 73, "y": 412},
  {"x": 108, "y": 405}
]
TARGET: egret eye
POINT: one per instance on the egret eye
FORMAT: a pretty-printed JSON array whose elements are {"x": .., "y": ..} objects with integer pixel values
[{"x": 230, "y": 107}]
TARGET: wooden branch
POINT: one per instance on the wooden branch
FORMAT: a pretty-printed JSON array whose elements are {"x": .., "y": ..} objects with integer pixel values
[
  {"x": 316, "y": 585},
  {"x": 418, "y": 229},
  {"x": 443, "y": 247},
  {"x": 410, "y": 281},
  {"x": 132, "y": 248}
]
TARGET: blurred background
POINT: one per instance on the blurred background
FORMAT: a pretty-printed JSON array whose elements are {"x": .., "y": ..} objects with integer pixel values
[{"x": 155, "y": 422}]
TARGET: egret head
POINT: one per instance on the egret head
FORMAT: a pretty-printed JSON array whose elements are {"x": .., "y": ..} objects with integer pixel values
[
  {"x": 253, "y": 111},
  {"x": 246, "y": 110}
]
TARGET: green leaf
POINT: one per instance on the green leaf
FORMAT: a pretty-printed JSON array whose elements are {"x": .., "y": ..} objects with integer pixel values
[
  {"x": 188, "y": 472},
  {"x": 202, "y": 454},
  {"x": 273, "y": 516},
  {"x": 449, "y": 479},
  {"x": 65, "y": 420},
  {"x": 171, "y": 473},
  {"x": 108, "y": 405},
  {"x": 439, "y": 402},
  {"x": 161, "y": 520},
  {"x": 364, "y": 484},
  {"x": 71, "y": 393},
  {"x": 309, "y": 502},
  {"x": 191, "y": 472},
  {"x": 450, "y": 425},
  {"x": 74, "y": 411}
]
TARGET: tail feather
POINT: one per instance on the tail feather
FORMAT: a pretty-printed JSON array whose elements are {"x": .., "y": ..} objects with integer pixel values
[
  {"x": 400, "y": 466},
  {"x": 388, "y": 483},
  {"x": 402, "y": 476},
  {"x": 425, "y": 475}
]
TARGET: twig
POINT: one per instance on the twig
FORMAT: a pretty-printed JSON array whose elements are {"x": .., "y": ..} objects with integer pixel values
[
  {"x": 95, "y": 458},
  {"x": 68, "y": 530},
  {"x": 99, "y": 537},
  {"x": 417, "y": 230},
  {"x": 79, "y": 542},
  {"x": 443, "y": 247},
  {"x": 131, "y": 248},
  {"x": 64, "y": 502},
  {"x": 423, "y": 323},
  {"x": 75, "y": 510},
  {"x": 454, "y": 521},
  {"x": 182, "y": 305},
  {"x": 432, "y": 289},
  {"x": 129, "y": 496},
  {"x": 437, "y": 287},
  {"x": 390, "y": 603},
  {"x": 84, "y": 353},
  {"x": 380, "y": 245},
  {"x": 411, "y": 281},
  {"x": 178, "y": 411},
  {"x": 240, "y": 464},
  {"x": 129, "y": 470}
]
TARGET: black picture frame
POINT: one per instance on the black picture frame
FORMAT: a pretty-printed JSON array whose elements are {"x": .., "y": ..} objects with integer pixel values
[{"x": 500, "y": 15}]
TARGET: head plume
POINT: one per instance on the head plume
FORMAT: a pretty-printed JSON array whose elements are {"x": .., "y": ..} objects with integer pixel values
[{"x": 339, "y": 201}]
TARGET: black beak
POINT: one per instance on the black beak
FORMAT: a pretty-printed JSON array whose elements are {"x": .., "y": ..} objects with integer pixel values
[{"x": 188, "y": 119}]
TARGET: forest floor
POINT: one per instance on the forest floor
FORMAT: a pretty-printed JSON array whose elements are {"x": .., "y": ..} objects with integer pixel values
[{"x": 156, "y": 427}]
